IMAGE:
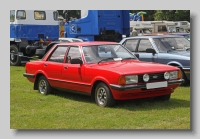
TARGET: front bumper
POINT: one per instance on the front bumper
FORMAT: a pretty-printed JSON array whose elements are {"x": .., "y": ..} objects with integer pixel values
[{"x": 141, "y": 86}]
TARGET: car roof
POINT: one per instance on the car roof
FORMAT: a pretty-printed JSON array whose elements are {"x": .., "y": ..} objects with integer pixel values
[
  {"x": 156, "y": 36},
  {"x": 88, "y": 43}
]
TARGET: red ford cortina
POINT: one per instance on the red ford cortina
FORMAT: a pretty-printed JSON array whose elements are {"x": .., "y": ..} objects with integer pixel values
[{"x": 104, "y": 70}]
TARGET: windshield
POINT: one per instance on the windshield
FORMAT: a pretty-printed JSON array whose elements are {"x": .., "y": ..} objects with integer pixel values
[
  {"x": 97, "y": 53},
  {"x": 171, "y": 44},
  {"x": 12, "y": 15},
  {"x": 146, "y": 31},
  {"x": 171, "y": 28}
]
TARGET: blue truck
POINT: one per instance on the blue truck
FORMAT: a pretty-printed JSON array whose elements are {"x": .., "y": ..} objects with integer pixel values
[
  {"x": 31, "y": 30},
  {"x": 99, "y": 25}
]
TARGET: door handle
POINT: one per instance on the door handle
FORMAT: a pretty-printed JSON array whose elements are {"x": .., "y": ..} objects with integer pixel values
[
  {"x": 45, "y": 64},
  {"x": 65, "y": 67}
]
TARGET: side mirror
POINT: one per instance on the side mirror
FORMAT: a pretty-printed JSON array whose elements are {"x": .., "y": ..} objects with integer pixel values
[
  {"x": 67, "y": 17},
  {"x": 150, "y": 50},
  {"x": 76, "y": 61},
  {"x": 137, "y": 55}
]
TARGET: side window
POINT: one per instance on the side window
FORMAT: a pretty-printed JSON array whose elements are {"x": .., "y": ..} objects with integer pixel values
[
  {"x": 162, "y": 28},
  {"x": 73, "y": 53},
  {"x": 144, "y": 44},
  {"x": 21, "y": 14},
  {"x": 55, "y": 15},
  {"x": 12, "y": 15},
  {"x": 39, "y": 15},
  {"x": 131, "y": 44},
  {"x": 59, "y": 54}
]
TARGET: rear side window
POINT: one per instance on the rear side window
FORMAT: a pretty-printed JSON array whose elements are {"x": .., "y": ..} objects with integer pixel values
[
  {"x": 21, "y": 14},
  {"x": 39, "y": 15}
]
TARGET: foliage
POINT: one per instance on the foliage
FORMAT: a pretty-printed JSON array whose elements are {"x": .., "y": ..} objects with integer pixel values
[{"x": 170, "y": 15}]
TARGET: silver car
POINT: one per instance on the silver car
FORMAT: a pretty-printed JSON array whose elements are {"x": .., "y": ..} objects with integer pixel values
[{"x": 166, "y": 49}]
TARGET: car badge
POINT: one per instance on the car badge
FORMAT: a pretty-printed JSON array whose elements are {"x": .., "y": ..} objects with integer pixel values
[{"x": 155, "y": 76}]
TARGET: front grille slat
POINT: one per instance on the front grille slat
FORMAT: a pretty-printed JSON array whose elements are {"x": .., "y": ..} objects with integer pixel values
[{"x": 153, "y": 77}]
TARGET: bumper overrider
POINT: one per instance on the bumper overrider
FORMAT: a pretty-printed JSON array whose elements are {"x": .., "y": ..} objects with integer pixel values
[
  {"x": 28, "y": 75},
  {"x": 141, "y": 86}
]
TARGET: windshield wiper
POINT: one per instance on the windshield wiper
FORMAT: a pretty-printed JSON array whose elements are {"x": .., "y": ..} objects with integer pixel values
[
  {"x": 128, "y": 58},
  {"x": 105, "y": 59},
  {"x": 187, "y": 49}
]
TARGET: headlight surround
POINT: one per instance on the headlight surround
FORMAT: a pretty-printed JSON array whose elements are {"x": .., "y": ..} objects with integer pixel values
[
  {"x": 130, "y": 79},
  {"x": 166, "y": 75},
  {"x": 174, "y": 75},
  {"x": 145, "y": 77}
]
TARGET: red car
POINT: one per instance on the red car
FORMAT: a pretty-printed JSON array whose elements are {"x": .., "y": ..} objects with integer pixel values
[{"x": 104, "y": 70}]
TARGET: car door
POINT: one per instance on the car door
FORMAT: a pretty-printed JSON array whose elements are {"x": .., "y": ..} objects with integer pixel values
[
  {"x": 73, "y": 74},
  {"x": 144, "y": 44},
  {"x": 54, "y": 65}
]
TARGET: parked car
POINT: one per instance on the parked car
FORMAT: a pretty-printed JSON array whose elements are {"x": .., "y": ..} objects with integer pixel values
[
  {"x": 41, "y": 52},
  {"x": 166, "y": 49},
  {"x": 104, "y": 70}
]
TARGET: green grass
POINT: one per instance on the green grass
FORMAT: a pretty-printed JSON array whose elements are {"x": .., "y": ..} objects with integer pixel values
[{"x": 63, "y": 110}]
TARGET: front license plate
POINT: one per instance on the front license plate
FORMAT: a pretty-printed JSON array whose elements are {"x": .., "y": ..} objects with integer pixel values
[{"x": 156, "y": 85}]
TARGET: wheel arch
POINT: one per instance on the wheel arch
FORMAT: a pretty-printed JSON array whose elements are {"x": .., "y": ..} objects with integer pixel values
[{"x": 95, "y": 83}]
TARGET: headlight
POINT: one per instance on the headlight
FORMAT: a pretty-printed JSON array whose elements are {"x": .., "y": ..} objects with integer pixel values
[
  {"x": 174, "y": 75},
  {"x": 128, "y": 79},
  {"x": 166, "y": 75},
  {"x": 131, "y": 79},
  {"x": 146, "y": 77}
]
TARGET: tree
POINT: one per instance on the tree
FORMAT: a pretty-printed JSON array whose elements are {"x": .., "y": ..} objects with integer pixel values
[{"x": 172, "y": 15}]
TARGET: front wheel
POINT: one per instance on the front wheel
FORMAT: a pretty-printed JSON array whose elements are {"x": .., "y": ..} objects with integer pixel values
[
  {"x": 186, "y": 81},
  {"x": 103, "y": 96},
  {"x": 44, "y": 87}
]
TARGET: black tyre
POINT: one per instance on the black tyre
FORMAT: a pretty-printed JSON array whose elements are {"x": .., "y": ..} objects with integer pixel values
[
  {"x": 15, "y": 60},
  {"x": 44, "y": 87},
  {"x": 164, "y": 97},
  {"x": 186, "y": 81},
  {"x": 103, "y": 96}
]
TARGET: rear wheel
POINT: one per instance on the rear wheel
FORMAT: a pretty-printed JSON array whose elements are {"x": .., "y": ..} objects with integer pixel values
[
  {"x": 15, "y": 60},
  {"x": 44, "y": 87},
  {"x": 103, "y": 96}
]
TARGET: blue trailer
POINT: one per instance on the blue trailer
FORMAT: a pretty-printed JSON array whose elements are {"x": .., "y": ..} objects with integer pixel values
[
  {"x": 31, "y": 30},
  {"x": 99, "y": 25}
]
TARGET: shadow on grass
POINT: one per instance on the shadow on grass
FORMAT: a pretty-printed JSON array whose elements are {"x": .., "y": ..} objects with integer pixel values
[{"x": 132, "y": 105}]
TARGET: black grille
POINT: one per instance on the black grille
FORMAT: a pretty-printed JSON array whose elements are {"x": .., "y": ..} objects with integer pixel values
[{"x": 153, "y": 77}]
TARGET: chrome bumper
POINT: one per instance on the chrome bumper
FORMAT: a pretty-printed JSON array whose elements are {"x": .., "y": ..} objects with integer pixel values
[{"x": 140, "y": 86}]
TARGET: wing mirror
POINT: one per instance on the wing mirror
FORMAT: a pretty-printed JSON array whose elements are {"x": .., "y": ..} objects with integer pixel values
[
  {"x": 76, "y": 61},
  {"x": 137, "y": 55},
  {"x": 150, "y": 50}
]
